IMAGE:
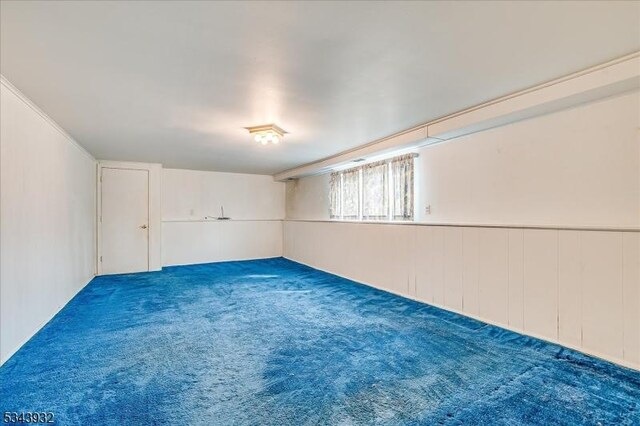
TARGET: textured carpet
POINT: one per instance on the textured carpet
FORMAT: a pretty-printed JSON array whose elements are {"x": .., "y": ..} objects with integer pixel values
[{"x": 272, "y": 342}]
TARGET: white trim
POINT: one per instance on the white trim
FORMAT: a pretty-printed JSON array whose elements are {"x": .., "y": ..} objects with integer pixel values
[
  {"x": 6, "y": 83},
  {"x": 627, "y": 58},
  {"x": 603, "y": 228},
  {"x": 605, "y": 80},
  {"x": 220, "y": 221},
  {"x": 128, "y": 165}
]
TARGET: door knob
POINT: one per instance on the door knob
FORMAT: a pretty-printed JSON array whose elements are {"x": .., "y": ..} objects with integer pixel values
[{"x": 143, "y": 226}]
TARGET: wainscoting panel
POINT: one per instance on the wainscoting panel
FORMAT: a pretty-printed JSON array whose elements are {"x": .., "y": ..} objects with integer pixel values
[
  {"x": 470, "y": 262},
  {"x": 569, "y": 288},
  {"x": 430, "y": 264},
  {"x": 423, "y": 269},
  {"x": 189, "y": 242},
  {"x": 631, "y": 296},
  {"x": 516, "y": 279},
  {"x": 493, "y": 275},
  {"x": 453, "y": 261},
  {"x": 580, "y": 288},
  {"x": 541, "y": 283},
  {"x": 602, "y": 304},
  {"x": 436, "y": 264},
  {"x": 390, "y": 246}
]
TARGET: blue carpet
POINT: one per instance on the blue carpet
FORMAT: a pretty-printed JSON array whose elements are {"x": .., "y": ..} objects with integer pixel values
[{"x": 273, "y": 342}]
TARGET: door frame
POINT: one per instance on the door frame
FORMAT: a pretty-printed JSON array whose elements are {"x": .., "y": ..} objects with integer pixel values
[{"x": 154, "y": 205}]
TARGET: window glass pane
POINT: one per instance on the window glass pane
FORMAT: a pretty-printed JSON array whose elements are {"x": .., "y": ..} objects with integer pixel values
[
  {"x": 375, "y": 205},
  {"x": 350, "y": 193},
  {"x": 402, "y": 176},
  {"x": 335, "y": 196}
]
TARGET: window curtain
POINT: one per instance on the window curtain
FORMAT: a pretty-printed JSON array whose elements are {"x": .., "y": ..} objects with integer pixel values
[
  {"x": 350, "y": 193},
  {"x": 402, "y": 176},
  {"x": 375, "y": 200},
  {"x": 335, "y": 195}
]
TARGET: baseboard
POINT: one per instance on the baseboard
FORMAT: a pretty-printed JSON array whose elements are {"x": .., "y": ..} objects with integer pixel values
[{"x": 224, "y": 260}]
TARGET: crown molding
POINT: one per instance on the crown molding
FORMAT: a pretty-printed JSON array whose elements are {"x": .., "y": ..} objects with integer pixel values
[{"x": 6, "y": 83}]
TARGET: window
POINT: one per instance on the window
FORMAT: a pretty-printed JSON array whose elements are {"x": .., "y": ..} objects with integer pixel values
[
  {"x": 351, "y": 194},
  {"x": 402, "y": 178},
  {"x": 377, "y": 191},
  {"x": 335, "y": 195}
]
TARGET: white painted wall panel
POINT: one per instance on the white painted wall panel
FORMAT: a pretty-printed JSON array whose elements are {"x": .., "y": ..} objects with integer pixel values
[
  {"x": 403, "y": 246},
  {"x": 327, "y": 251},
  {"x": 423, "y": 282},
  {"x": 516, "y": 279},
  {"x": 452, "y": 261},
  {"x": 631, "y": 296},
  {"x": 470, "y": 270},
  {"x": 437, "y": 264},
  {"x": 189, "y": 242},
  {"x": 493, "y": 275},
  {"x": 602, "y": 301},
  {"x": 547, "y": 170},
  {"x": 342, "y": 248},
  {"x": 569, "y": 288},
  {"x": 541, "y": 283},
  {"x": 207, "y": 241},
  {"x": 255, "y": 204},
  {"x": 308, "y": 198},
  {"x": 289, "y": 231},
  {"x": 192, "y": 195},
  {"x": 47, "y": 191},
  {"x": 243, "y": 240},
  {"x": 390, "y": 247}
]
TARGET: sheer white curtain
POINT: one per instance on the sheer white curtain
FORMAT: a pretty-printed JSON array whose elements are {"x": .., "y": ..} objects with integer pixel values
[
  {"x": 335, "y": 195},
  {"x": 376, "y": 191},
  {"x": 402, "y": 177},
  {"x": 375, "y": 200},
  {"x": 351, "y": 194}
]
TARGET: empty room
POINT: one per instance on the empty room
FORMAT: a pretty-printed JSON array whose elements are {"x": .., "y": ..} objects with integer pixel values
[{"x": 320, "y": 212}]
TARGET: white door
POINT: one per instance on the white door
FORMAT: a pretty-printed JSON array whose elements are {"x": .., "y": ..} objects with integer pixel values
[{"x": 124, "y": 221}]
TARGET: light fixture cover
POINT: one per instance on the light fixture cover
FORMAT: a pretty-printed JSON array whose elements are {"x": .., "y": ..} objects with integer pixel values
[{"x": 266, "y": 133}]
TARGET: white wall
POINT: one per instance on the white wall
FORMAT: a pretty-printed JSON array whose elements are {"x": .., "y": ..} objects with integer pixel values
[
  {"x": 47, "y": 219},
  {"x": 577, "y": 167},
  {"x": 186, "y": 243},
  {"x": 255, "y": 203},
  {"x": 308, "y": 198},
  {"x": 192, "y": 195}
]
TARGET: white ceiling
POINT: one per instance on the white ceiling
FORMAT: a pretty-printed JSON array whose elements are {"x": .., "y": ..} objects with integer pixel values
[{"x": 176, "y": 82}]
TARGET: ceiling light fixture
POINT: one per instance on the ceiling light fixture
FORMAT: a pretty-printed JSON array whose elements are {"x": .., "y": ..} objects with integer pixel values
[{"x": 266, "y": 133}]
